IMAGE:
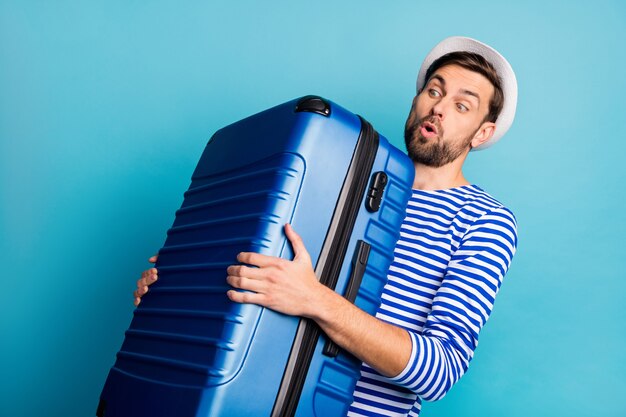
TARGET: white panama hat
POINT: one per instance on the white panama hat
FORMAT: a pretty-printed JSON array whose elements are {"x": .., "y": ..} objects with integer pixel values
[{"x": 502, "y": 66}]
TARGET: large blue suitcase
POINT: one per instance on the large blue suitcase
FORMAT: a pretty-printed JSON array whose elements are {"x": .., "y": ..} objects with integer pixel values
[{"x": 189, "y": 351}]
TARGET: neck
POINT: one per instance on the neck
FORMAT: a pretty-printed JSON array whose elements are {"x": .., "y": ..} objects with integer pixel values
[{"x": 447, "y": 176}]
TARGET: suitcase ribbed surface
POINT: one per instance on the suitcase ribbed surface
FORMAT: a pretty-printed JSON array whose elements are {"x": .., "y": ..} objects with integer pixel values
[{"x": 221, "y": 216}]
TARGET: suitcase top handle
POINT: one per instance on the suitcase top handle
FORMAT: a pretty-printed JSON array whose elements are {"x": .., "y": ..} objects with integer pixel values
[{"x": 313, "y": 104}]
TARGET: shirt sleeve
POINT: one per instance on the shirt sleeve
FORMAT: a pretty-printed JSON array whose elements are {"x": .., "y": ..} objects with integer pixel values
[{"x": 442, "y": 351}]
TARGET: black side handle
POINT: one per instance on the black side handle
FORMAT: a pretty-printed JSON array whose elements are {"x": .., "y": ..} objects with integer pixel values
[{"x": 359, "y": 263}]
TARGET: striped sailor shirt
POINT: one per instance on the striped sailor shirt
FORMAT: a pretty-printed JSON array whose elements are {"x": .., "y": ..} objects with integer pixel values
[{"x": 454, "y": 249}]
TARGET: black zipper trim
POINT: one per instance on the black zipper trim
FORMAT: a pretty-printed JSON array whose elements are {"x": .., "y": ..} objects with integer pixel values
[{"x": 328, "y": 267}]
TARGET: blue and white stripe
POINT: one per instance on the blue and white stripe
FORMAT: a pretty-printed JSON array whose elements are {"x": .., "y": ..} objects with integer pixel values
[{"x": 454, "y": 249}]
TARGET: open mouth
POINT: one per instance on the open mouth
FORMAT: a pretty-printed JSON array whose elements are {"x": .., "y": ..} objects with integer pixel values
[{"x": 428, "y": 130}]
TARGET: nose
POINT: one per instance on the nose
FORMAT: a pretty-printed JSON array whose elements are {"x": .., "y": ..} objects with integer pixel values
[{"x": 438, "y": 109}]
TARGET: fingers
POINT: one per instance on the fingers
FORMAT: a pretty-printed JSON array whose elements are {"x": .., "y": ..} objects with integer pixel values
[
  {"x": 245, "y": 283},
  {"x": 244, "y": 271},
  {"x": 257, "y": 259},
  {"x": 148, "y": 277},
  {"x": 153, "y": 258},
  {"x": 137, "y": 296},
  {"x": 140, "y": 291},
  {"x": 246, "y": 297},
  {"x": 254, "y": 282},
  {"x": 299, "y": 249},
  {"x": 246, "y": 278},
  {"x": 262, "y": 261}
]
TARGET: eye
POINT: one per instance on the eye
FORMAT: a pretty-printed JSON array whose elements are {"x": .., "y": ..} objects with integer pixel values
[
  {"x": 462, "y": 107},
  {"x": 433, "y": 93}
]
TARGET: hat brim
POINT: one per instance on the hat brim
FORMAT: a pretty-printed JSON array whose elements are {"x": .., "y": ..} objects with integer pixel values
[{"x": 502, "y": 67}]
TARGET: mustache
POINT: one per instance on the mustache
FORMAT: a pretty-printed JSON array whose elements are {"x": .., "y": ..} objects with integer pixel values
[
  {"x": 411, "y": 128},
  {"x": 433, "y": 120}
]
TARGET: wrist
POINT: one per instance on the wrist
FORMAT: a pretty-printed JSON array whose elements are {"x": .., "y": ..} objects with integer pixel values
[{"x": 323, "y": 304}]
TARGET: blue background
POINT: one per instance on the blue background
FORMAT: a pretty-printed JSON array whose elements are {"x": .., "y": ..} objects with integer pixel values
[{"x": 105, "y": 108}]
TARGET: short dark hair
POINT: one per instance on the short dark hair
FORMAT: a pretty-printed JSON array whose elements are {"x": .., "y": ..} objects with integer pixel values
[{"x": 474, "y": 62}]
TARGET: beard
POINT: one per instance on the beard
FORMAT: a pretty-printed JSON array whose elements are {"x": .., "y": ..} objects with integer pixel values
[{"x": 433, "y": 152}]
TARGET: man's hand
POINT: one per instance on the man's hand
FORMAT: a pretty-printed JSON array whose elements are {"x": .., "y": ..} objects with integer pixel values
[
  {"x": 148, "y": 277},
  {"x": 289, "y": 287}
]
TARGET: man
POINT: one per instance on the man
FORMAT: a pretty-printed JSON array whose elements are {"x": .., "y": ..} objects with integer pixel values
[{"x": 456, "y": 244}]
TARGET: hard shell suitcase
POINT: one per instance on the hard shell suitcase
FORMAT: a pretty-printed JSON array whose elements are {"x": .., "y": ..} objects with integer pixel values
[{"x": 189, "y": 350}]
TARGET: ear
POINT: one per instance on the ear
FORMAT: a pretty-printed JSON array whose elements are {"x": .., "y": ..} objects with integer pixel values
[{"x": 483, "y": 134}]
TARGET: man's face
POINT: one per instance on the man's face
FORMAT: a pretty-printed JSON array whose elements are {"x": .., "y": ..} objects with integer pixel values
[{"x": 447, "y": 116}]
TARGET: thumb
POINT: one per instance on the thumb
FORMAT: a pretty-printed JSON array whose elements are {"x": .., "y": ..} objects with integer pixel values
[
  {"x": 299, "y": 249},
  {"x": 153, "y": 258}
]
